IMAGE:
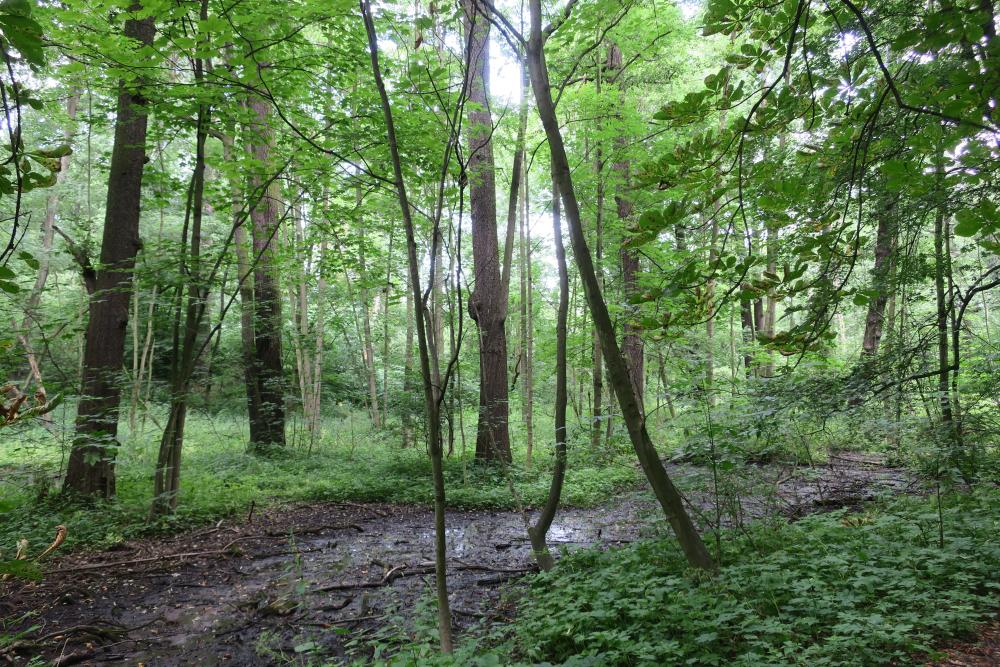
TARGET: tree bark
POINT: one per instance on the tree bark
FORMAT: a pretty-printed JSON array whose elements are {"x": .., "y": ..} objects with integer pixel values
[
  {"x": 885, "y": 241},
  {"x": 91, "y": 468},
  {"x": 487, "y": 305},
  {"x": 267, "y": 423}
]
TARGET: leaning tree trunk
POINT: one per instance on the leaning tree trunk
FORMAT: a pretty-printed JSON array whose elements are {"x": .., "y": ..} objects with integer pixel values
[
  {"x": 267, "y": 423},
  {"x": 91, "y": 467},
  {"x": 487, "y": 303},
  {"x": 666, "y": 493}
]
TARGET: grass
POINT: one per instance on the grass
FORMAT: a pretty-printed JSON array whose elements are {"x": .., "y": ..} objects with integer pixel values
[
  {"x": 219, "y": 479},
  {"x": 833, "y": 589}
]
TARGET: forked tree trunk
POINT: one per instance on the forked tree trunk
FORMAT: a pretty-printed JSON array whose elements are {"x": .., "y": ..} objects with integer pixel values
[
  {"x": 91, "y": 467},
  {"x": 666, "y": 493},
  {"x": 487, "y": 305}
]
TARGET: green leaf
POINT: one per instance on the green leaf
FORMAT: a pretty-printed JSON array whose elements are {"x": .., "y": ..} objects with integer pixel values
[
  {"x": 28, "y": 259},
  {"x": 968, "y": 223}
]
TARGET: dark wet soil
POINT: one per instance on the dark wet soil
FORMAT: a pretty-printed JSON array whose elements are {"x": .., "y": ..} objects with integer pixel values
[{"x": 322, "y": 579}]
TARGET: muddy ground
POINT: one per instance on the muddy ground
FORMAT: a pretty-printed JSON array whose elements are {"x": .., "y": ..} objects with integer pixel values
[{"x": 322, "y": 579}]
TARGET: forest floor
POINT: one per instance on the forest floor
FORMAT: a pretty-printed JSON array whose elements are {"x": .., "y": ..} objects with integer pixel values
[{"x": 336, "y": 579}]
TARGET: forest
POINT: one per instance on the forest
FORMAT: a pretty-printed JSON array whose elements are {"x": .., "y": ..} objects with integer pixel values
[{"x": 582, "y": 332}]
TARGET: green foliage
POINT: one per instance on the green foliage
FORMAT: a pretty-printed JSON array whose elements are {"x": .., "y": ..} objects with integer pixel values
[
  {"x": 22, "y": 569},
  {"x": 832, "y": 589}
]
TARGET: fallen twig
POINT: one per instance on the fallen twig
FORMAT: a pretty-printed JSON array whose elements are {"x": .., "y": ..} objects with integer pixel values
[
  {"x": 153, "y": 559},
  {"x": 317, "y": 529}
]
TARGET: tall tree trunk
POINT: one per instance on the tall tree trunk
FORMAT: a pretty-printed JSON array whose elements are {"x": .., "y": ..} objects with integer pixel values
[
  {"x": 431, "y": 393},
  {"x": 632, "y": 346},
  {"x": 666, "y": 493},
  {"x": 385, "y": 333},
  {"x": 487, "y": 305},
  {"x": 245, "y": 281},
  {"x": 316, "y": 395},
  {"x": 91, "y": 468},
  {"x": 941, "y": 260},
  {"x": 529, "y": 312},
  {"x": 597, "y": 360},
  {"x": 407, "y": 418},
  {"x": 368, "y": 354},
  {"x": 268, "y": 422}
]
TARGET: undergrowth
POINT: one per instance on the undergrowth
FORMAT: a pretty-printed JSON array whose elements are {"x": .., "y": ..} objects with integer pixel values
[
  {"x": 832, "y": 589},
  {"x": 219, "y": 479}
]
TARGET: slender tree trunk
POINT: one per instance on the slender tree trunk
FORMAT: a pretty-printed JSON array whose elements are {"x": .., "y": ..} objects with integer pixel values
[
  {"x": 31, "y": 313},
  {"x": 316, "y": 396},
  {"x": 268, "y": 423},
  {"x": 385, "y": 333},
  {"x": 538, "y": 532},
  {"x": 529, "y": 350},
  {"x": 519, "y": 174},
  {"x": 668, "y": 496},
  {"x": 431, "y": 397},
  {"x": 166, "y": 481},
  {"x": 487, "y": 304},
  {"x": 369, "y": 346},
  {"x": 407, "y": 418},
  {"x": 941, "y": 262},
  {"x": 91, "y": 467},
  {"x": 597, "y": 360}
]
